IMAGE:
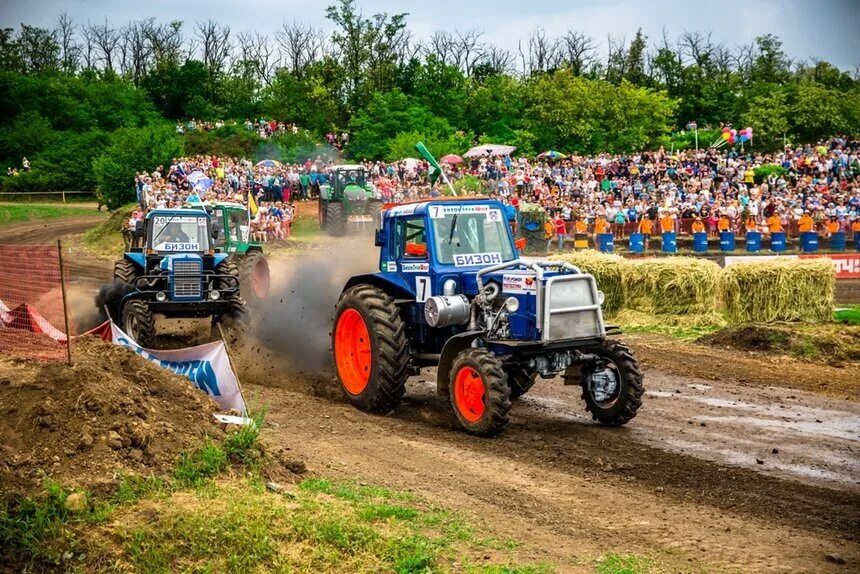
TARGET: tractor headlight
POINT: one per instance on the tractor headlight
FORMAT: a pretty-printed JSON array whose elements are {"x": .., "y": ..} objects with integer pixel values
[
  {"x": 512, "y": 304},
  {"x": 214, "y": 295},
  {"x": 161, "y": 296},
  {"x": 600, "y": 297},
  {"x": 449, "y": 287}
]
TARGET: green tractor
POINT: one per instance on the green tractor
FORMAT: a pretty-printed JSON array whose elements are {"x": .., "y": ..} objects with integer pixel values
[
  {"x": 231, "y": 234},
  {"x": 347, "y": 198}
]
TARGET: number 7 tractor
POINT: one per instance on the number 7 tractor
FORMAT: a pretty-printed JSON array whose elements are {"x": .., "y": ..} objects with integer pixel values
[{"x": 453, "y": 293}]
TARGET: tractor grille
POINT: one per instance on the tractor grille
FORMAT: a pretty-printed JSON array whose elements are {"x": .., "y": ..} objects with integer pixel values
[
  {"x": 571, "y": 308},
  {"x": 186, "y": 280}
]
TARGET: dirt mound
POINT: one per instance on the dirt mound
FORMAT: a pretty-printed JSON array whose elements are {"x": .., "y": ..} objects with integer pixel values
[
  {"x": 112, "y": 413},
  {"x": 832, "y": 343}
]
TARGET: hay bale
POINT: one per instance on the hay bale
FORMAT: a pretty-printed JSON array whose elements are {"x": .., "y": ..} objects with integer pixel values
[
  {"x": 782, "y": 290},
  {"x": 675, "y": 285},
  {"x": 608, "y": 271}
]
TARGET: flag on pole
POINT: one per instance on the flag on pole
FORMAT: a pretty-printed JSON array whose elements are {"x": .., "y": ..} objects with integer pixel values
[
  {"x": 252, "y": 205},
  {"x": 194, "y": 200},
  {"x": 435, "y": 171}
]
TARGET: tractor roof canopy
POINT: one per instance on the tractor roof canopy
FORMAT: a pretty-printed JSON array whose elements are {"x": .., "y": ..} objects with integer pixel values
[
  {"x": 182, "y": 212},
  {"x": 347, "y": 166}
]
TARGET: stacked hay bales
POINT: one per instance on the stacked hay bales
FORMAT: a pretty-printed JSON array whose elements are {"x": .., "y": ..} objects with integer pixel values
[
  {"x": 607, "y": 269},
  {"x": 675, "y": 285},
  {"x": 788, "y": 290}
]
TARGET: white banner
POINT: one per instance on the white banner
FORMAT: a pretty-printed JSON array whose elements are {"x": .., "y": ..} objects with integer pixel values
[{"x": 207, "y": 366}]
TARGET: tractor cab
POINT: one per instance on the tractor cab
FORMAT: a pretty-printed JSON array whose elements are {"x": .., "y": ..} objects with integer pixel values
[{"x": 231, "y": 227}]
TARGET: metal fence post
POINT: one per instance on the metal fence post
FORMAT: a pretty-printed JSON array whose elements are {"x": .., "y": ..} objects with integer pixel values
[{"x": 65, "y": 301}]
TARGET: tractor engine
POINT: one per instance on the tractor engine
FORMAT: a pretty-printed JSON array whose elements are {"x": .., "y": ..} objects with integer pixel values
[{"x": 546, "y": 303}]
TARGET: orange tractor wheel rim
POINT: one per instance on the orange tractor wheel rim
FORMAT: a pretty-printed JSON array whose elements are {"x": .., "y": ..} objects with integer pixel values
[
  {"x": 352, "y": 351},
  {"x": 469, "y": 394},
  {"x": 261, "y": 278}
]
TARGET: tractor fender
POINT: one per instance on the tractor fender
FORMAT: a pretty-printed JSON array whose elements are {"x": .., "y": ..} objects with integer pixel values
[
  {"x": 391, "y": 283},
  {"x": 452, "y": 348},
  {"x": 138, "y": 259}
]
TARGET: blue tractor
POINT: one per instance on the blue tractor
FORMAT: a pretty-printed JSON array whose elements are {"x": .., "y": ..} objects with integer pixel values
[
  {"x": 178, "y": 274},
  {"x": 452, "y": 292}
]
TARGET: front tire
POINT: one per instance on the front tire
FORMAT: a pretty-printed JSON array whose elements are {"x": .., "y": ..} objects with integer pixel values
[
  {"x": 335, "y": 218},
  {"x": 370, "y": 349},
  {"x": 479, "y": 392},
  {"x": 374, "y": 210},
  {"x": 138, "y": 323},
  {"x": 236, "y": 321},
  {"x": 613, "y": 394}
]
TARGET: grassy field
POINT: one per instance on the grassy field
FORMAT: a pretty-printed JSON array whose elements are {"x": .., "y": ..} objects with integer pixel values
[
  {"x": 22, "y": 212},
  {"x": 849, "y": 314},
  {"x": 216, "y": 513}
]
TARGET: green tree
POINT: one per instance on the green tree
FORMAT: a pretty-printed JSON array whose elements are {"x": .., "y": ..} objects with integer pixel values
[
  {"x": 387, "y": 115},
  {"x": 767, "y": 114},
  {"x": 130, "y": 150},
  {"x": 816, "y": 112}
]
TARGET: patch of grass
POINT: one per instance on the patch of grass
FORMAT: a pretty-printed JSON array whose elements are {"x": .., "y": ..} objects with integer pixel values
[
  {"x": 105, "y": 239},
  {"x": 34, "y": 527},
  {"x": 849, "y": 314},
  {"x": 201, "y": 464},
  {"x": 21, "y": 212},
  {"x": 623, "y": 564}
]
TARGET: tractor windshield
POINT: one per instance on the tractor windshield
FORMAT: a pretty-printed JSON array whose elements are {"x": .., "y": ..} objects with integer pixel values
[
  {"x": 351, "y": 177},
  {"x": 470, "y": 235},
  {"x": 180, "y": 233}
]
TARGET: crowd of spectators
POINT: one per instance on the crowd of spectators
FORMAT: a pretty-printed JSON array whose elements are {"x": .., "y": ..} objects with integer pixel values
[
  {"x": 808, "y": 188},
  {"x": 265, "y": 128}
]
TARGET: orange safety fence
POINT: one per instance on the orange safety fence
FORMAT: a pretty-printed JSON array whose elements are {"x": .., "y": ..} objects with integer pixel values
[{"x": 32, "y": 304}]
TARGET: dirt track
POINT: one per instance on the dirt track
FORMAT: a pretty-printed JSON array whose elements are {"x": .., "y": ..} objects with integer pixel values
[{"x": 682, "y": 482}]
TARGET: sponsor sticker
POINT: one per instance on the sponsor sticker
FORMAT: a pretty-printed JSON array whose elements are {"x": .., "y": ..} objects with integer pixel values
[
  {"x": 415, "y": 267},
  {"x": 391, "y": 266},
  {"x": 164, "y": 220},
  {"x": 440, "y": 211},
  {"x": 176, "y": 246},
  {"x": 467, "y": 259},
  {"x": 523, "y": 284},
  {"x": 408, "y": 209}
]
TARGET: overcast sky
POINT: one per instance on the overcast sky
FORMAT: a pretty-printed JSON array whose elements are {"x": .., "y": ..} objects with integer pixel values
[{"x": 810, "y": 29}]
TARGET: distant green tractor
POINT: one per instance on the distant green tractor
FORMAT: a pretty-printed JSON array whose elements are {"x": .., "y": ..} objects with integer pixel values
[
  {"x": 231, "y": 234},
  {"x": 347, "y": 198}
]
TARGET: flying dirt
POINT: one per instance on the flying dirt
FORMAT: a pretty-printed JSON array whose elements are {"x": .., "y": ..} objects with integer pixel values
[{"x": 296, "y": 326}]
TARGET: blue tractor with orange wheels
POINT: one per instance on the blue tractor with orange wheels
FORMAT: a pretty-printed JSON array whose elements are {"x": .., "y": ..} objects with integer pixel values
[{"x": 453, "y": 293}]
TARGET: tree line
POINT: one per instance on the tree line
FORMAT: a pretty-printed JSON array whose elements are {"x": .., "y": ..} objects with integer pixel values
[{"x": 74, "y": 84}]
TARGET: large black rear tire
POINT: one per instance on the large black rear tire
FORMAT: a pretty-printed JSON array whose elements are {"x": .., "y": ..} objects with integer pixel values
[
  {"x": 335, "y": 218},
  {"x": 125, "y": 271},
  {"x": 479, "y": 392},
  {"x": 254, "y": 278},
  {"x": 374, "y": 210},
  {"x": 520, "y": 381},
  {"x": 369, "y": 349},
  {"x": 618, "y": 407},
  {"x": 138, "y": 323}
]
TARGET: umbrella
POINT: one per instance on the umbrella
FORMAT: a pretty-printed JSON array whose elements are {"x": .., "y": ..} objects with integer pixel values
[
  {"x": 451, "y": 158},
  {"x": 489, "y": 149},
  {"x": 268, "y": 163},
  {"x": 552, "y": 154}
]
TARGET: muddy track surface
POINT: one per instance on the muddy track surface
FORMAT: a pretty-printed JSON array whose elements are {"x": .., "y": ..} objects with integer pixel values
[
  {"x": 47, "y": 231},
  {"x": 713, "y": 477}
]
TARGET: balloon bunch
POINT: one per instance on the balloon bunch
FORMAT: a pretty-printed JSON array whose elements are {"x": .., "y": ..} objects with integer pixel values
[{"x": 731, "y": 136}]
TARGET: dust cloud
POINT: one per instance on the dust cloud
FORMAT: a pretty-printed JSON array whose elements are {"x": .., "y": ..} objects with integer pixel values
[{"x": 295, "y": 324}]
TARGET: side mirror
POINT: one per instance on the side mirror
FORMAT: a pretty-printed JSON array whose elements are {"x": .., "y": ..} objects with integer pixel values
[
  {"x": 379, "y": 239},
  {"x": 520, "y": 243},
  {"x": 416, "y": 249}
]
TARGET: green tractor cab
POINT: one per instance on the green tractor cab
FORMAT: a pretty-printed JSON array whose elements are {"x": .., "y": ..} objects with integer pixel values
[
  {"x": 231, "y": 234},
  {"x": 347, "y": 198}
]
